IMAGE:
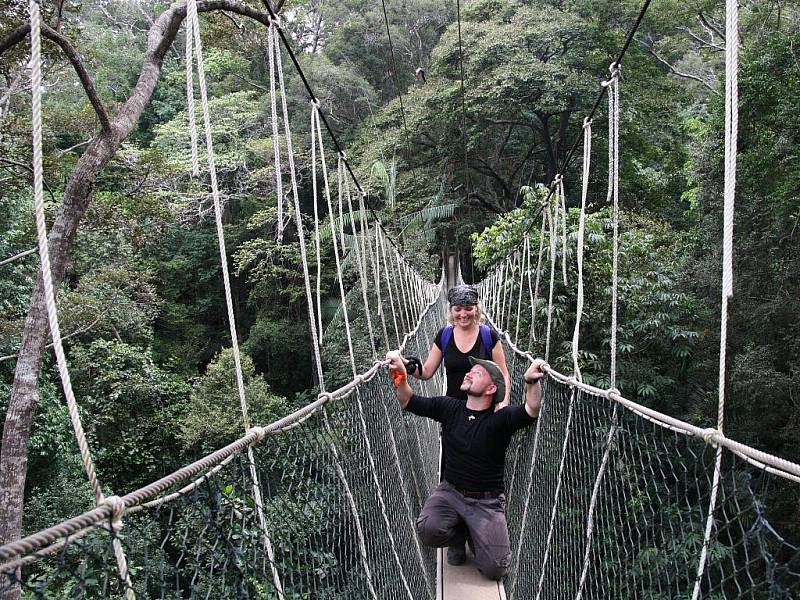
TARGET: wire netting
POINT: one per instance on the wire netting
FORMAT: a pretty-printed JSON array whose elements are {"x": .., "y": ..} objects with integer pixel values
[
  {"x": 652, "y": 489},
  {"x": 340, "y": 491}
]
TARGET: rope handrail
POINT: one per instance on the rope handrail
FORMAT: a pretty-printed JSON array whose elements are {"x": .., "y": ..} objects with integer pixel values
[{"x": 712, "y": 436}]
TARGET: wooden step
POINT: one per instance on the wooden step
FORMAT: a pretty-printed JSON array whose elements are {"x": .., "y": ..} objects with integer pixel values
[{"x": 464, "y": 582}]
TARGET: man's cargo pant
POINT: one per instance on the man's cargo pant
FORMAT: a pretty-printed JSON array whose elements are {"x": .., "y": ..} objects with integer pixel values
[{"x": 448, "y": 518}]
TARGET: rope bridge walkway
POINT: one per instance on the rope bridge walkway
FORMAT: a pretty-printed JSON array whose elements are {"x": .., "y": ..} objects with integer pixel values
[
  {"x": 342, "y": 480},
  {"x": 606, "y": 498}
]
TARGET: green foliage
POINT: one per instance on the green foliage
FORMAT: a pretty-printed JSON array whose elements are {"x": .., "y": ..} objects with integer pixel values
[
  {"x": 212, "y": 416},
  {"x": 129, "y": 406}
]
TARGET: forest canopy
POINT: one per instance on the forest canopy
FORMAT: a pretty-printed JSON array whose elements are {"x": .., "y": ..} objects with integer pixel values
[{"x": 448, "y": 171}]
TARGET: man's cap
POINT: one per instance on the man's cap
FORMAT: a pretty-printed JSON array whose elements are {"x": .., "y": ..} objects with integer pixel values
[
  {"x": 462, "y": 295},
  {"x": 495, "y": 373}
]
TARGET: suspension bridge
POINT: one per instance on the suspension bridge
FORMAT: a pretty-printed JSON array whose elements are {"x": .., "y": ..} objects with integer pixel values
[{"x": 607, "y": 498}]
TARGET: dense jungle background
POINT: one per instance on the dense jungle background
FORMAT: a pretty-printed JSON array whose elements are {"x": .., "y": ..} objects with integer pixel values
[{"x": 141, "y": 300}]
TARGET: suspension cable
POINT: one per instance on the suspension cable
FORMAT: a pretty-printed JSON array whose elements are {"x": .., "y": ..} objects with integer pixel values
[
  {"x": 617, "y": 63},
  {"x": 339, "y": 150}
]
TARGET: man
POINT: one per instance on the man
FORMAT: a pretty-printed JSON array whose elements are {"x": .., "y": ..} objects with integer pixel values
[{"x": 469, "y": 503}]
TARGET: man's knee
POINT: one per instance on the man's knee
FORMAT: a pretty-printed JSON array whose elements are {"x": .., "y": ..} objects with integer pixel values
[
  {"x": 433, "y": 532},
  {"x": 493, "y": 566}
]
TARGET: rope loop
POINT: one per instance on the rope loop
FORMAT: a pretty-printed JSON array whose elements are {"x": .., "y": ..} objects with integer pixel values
[
  {"x": 117, "y": 506},
  {"x": 342, "y": 155},
  {"x": 276, "y": 21},
  {"x": 558, "y": 179},
  {"x": 315, "y": 103},
  {"x": 611, "y": 392},
  {"x": 711, "y": 436},
  {"x": 615, "y": 70},
  {"x": 587, "y": 123}
]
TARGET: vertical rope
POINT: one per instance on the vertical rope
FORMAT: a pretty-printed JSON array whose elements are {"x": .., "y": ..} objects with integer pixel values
[
  {"x": 539, "y": 261},
  {"x": 49, "y": 294},
  {"x": 191, "y": 13},
  {"x": 587, "y": 157},
  {"x": 360, "y": 263},
  {"x": 276, "y": 146},
  {"x": 190, "y": 110},
  {"x": 317, "y": 248},
  {"x": 731, "y": 142},
  {"x": 613, "y": 196},
  {"x": 382, "y": 249},
  {"x": 561, "y": 201},
  {"x": 316, "y": 139},
  {"x": 522, "y": 272},
  {"x": 553, "y": 235},
  {"x": 315, "y": 342}
]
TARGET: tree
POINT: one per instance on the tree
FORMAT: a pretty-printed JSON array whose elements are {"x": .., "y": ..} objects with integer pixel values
[{"x": 113, "y": 130}]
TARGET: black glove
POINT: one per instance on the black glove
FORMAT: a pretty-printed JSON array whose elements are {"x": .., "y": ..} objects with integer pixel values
[{"x": 413, "y": 365}]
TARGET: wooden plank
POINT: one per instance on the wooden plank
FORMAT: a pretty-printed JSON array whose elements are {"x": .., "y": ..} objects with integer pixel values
[{"x": 465, "y": 582}]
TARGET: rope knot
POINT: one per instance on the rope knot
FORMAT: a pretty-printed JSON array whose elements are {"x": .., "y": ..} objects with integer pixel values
[
  {"x": 587, "y": 123},
  {"x": 615, "y": 70},
  {"x": 610, "y": 392},
  {"x": 325, "y": 397},
  {"x": 259, "y": 432},
  {"x": 363, "y": 194},
  {"x": 117, "y": 506},
  {"x": 711, "y": 436},
  {"x": 558, "y": 179},
  {"x": 276, "y": 21},
  {"x": 315, "y": 103}
]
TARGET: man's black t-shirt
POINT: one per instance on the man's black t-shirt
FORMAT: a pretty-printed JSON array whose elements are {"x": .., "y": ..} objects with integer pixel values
[
  {"x": 475, "y": 442},
  {"x": 456, "y": 363}
]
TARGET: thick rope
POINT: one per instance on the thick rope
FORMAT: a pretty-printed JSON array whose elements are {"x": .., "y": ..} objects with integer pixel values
[
  {"x": 535, "y": 301},
  {"x": 553, "y": 234},
  {"x": 276, "y": 147},
  {"x": 613, "y": 197},
  {"x": 298, "y": 218},
  {"x": 190, "y": 110},
  {"x": 47, "y": 281},
  {"x": 191, "y": 14},
  {"x": 731, "y": 139},
  {"x": 587, "y": 156},
  {"x": 358, "y": 248}
]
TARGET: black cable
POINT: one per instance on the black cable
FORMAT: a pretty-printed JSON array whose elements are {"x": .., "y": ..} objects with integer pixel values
[
  {"x": 339, "y": 150},
  {"x": 551, "y": 188},
  {"x": 397, "y": 85}
]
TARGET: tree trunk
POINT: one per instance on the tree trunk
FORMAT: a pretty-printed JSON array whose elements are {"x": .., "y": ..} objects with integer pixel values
[{"x": 77, "y": 195}]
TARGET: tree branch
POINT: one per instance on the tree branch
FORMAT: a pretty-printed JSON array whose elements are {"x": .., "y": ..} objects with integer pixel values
[
  {"x": 5, "y": 261},
  {"x": 74, "y": 57},
  {"x": 664, "y": 62}
]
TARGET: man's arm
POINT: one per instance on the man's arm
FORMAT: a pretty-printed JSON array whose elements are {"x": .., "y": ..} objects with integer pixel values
[
  {"x": 533, "y": 387},
  {"x": 397, "y": 368}
]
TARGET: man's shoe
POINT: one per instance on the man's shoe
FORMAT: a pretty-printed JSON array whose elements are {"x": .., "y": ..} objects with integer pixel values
[{"x": 456, "y": 555}]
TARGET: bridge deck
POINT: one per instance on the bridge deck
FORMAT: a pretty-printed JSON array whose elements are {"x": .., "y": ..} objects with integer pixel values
[{"x": 465, "y": 582}]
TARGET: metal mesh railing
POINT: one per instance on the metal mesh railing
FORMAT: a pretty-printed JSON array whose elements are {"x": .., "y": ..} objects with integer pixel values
[{"x": 603, "y": 503}]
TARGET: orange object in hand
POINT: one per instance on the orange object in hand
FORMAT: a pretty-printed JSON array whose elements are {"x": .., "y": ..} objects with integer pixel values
[{"x": 398, "y": 377}]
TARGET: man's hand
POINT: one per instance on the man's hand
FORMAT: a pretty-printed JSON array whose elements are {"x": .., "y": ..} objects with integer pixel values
[
  {"x": 397, "y": 369},
  {"x": 534, "y": 374},
  {"x": 396, "y": 362},
  {"x": 533, "y": 391}
]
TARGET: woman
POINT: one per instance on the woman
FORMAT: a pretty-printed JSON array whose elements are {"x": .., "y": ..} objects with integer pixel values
[{"x": 465, "y": 336}]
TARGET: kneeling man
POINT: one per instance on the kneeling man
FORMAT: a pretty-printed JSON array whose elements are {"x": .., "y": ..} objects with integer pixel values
[{"x": 469, "y": 503}]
